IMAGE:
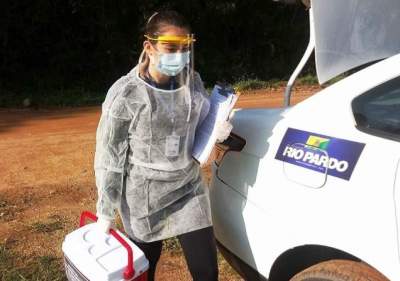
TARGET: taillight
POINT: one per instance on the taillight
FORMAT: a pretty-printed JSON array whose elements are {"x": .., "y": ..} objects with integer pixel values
[{"x": 232, "y": 143}]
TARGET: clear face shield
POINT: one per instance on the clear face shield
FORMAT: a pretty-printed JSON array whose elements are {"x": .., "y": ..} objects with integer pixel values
[{"x": 172, "y": 57}]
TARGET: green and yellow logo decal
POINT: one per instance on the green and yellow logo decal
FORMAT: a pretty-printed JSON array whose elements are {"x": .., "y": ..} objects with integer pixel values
[{"x": 321, "y": 143}]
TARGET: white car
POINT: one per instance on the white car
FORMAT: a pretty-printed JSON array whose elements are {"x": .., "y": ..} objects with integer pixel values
[{"x": 312, "y": 191}]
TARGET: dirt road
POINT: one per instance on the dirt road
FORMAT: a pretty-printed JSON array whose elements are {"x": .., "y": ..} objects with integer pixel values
[{"x": 47, "y": 179}]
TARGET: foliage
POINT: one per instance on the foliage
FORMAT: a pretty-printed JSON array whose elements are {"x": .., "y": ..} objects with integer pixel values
[
  {"x": 52, "y": 50},
  {"x": 255, "y": 84},
  {"x": 60, "y": 97},
  {"x": 308, "y": 79}
]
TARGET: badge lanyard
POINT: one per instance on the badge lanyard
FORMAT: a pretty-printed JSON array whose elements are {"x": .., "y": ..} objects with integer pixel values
[{"x": 172, "y": 141}]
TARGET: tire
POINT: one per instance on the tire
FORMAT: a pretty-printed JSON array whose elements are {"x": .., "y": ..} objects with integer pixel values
[{"x": 339, "y": 270}]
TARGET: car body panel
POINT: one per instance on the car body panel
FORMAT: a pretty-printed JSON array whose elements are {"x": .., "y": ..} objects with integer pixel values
[{"x": 260, "y": 210}]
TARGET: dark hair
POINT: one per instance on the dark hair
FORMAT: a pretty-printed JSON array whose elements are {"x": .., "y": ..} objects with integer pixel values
[{"x": 160, "y": 19}]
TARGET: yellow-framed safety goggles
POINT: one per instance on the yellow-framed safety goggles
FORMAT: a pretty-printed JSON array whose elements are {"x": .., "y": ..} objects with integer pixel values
[{"x": 175, "y": 39}]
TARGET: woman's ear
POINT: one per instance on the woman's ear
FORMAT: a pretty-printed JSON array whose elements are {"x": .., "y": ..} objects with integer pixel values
[
  {"x": 149, "y": 50},
  {"x": 147, "y": 47}
]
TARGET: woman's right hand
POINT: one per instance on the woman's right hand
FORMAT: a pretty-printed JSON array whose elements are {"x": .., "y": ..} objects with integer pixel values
[{"x": 104, "y": 225}]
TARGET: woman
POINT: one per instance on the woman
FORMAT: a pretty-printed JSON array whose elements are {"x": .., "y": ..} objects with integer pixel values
[{"x": 143, "y": 162}]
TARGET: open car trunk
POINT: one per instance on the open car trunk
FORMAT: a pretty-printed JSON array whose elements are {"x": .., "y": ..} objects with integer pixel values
[{"x": 350, "y": 33}]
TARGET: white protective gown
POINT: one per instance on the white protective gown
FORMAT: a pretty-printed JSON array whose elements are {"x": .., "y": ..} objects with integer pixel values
[{"x": 143, "y": 162}]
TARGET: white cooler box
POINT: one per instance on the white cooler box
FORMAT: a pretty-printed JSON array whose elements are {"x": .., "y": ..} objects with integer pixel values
[{"x": 92, "y": 255}]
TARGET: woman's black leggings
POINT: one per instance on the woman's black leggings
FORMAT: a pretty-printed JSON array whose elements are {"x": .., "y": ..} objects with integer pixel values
[{"x": 200, "y": 253}]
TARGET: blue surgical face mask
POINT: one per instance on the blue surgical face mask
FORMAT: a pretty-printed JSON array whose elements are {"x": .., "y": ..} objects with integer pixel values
[{"x": 172, "y": 63}]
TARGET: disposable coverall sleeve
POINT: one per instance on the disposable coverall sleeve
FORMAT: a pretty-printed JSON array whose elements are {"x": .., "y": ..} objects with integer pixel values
[{"x": 111, "y": 154}]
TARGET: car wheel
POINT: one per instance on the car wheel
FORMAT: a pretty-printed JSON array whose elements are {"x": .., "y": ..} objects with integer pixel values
[{"x": 339, "y": 270}]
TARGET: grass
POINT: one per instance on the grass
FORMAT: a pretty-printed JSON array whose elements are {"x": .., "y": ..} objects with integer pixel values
[
  {"x": 37, "y": 268},
  {"x": 224, "y": 266},
  {"x": 172, "y": 245},
  {"x": 6, "y": 210},
  {"x": 44, "y": 268},
  {"x": 47, "y": 227},
  {"x": 54, "y": 223}
]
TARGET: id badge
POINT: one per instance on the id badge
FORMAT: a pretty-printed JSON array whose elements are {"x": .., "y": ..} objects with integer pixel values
[{"x": 172, "y": 146}]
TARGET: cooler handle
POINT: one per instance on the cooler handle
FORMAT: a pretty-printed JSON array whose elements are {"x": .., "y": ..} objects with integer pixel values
[{"x": 129, "y": 270}]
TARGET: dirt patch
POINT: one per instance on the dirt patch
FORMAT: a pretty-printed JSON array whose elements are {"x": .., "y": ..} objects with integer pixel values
[{"x": 46, "y": 167}]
